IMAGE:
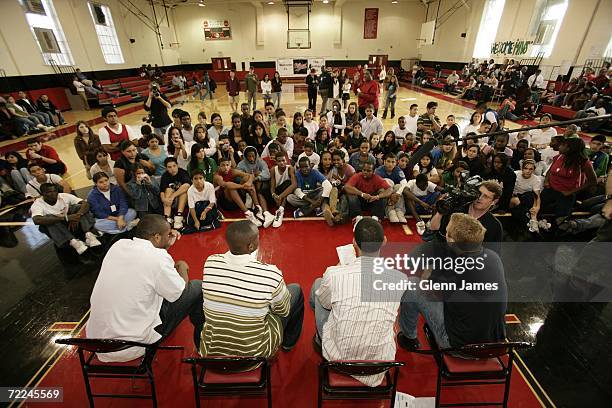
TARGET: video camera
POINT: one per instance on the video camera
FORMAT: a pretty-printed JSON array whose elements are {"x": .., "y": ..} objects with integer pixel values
[{"x": 459, "y": 197}]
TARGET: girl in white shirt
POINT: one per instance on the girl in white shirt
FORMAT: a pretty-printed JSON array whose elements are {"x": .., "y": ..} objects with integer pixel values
[
  {"x": 425, "y": 166},
  {"x": 473, "y": 125},
  {"x": 266, "y": 88}
]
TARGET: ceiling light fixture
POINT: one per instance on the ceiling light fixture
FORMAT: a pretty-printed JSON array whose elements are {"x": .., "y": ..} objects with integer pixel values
[
  {"x": 395, "y": 2},
  {"x": 270, "y": 2},
  {"x": 325, "y": 1}
]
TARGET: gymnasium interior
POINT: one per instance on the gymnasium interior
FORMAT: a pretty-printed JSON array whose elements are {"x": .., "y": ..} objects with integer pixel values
[{"x": 527, "y": 63}]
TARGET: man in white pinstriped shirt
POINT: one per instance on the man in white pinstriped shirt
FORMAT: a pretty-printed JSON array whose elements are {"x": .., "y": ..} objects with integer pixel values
[{"x": 356, "y": 324}]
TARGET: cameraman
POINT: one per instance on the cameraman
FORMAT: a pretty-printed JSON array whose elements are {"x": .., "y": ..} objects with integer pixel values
[
  {"x": 490, "y": 191},
  {"x": 158, "y": 104}
]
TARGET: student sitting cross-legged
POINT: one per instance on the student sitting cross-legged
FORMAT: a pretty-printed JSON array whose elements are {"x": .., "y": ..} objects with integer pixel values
[
  {"x": 392, "y": 173},
  {"x": 64, "y": 218},
  {"x": 109, "y": 206},
  {"x": 251, "y": 163},
  {"x": 202, "y": 202},
  {"x": 421, "y": 195},
  {"x": 282, "y": 183},
  {"x": 312, "y": 189},
  {"x": 144, "y": 191},
  {"x": 232, "y": 182},
  {"x": 351, "y": 323},
  {"x": 367, "y": 191},
  {"x": 173, "y": 191},
  {"x": 248, "y": 308}
]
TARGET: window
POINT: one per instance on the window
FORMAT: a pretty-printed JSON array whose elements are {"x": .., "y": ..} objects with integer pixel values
[
  {"x": 548, "y": 27},
  {"x": 47, "y": 31},
  {"x": 608, "y": 51},
  {"x": 487, "y": 31},
  {"x": 107, "y": 35}
]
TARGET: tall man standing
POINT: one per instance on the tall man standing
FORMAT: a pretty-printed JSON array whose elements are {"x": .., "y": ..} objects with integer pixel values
[{"x": 251, "y": 81}]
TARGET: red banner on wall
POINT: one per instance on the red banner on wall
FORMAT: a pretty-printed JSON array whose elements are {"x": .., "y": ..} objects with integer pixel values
[{"x": 370, "y": 24}]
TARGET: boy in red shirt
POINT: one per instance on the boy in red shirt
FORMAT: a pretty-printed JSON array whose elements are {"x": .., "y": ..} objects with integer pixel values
[
  {"x": 367, "y": 191},
  {"x": 45, "y": 156}
]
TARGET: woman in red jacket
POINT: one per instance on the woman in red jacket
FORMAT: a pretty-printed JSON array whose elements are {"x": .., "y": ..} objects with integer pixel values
[{"x": 367, "y": 93}]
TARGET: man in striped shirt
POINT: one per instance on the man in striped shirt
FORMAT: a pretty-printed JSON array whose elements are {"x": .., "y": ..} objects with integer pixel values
[
  {"x": 248, "y": 309},
  {"x": 354, "y": 320}
]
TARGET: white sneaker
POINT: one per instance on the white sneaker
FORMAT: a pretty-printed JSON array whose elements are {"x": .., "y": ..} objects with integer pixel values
[
  {"x": 393, "y": 216},
  {"x": 401, "y": 217},
  {"x": 91, "y": 240},
  {"x": 78, "y": 245},
  {"x": 248, "y": 202},
  {"x": 133, "y": 223},
  {"x": 544, "y": 224},
  {"x": 251, "y": 217},
  {"x": 48, "y": 128},
  {"x": 178, "y": 222},
  {"x": 268, "y": 219},
  {"x": 375, "y": 218},
  {"x": 259, "y": 213},
  {"x": 533, "y": 226},
  {"x": 421, "y": 227},
  {"x": 278, "y": 217}
]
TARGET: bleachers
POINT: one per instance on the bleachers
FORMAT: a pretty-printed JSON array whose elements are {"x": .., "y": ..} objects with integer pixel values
[{"x": 132, "y": 89}]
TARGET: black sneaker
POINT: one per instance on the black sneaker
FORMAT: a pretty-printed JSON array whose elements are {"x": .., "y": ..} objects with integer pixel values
[{"x": 407, "y": 343}]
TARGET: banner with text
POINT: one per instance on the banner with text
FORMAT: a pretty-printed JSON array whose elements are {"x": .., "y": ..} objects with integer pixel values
[
  {"x": 299, "y": 66},
  {"x": 516, "y": 48}
]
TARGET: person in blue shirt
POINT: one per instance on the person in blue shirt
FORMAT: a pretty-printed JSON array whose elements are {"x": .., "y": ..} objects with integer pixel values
[
  {"x": 390, "y": 171},
  {"x": 109, "y": 206},
  {"x": 312, "y": 192},
  {"x": 362, "y": 156},
  {"x": 156, "y": 154}
]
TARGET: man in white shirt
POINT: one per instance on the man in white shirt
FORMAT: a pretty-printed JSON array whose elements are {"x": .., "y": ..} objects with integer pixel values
[
  {"x": 141, "y": 294},
  {"x": 412, "y": 118},
  {"x": 536, "y": 83},
  {"x": 355, "y": 320},
  {"x": 400, "y": 130},
  {"x": 114, "y": 132},
  {"x": 371, "y": 124},
  {"x": 40, "y": 177},
  {"x": 283, "y": 139},
  {"x": 451, "y": 82},
  {"x": 187, "y": 127},
  {"x": 62, "y": 217}
]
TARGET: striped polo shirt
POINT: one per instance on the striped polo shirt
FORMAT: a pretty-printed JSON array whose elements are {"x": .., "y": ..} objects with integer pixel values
[{"x": 244, "y": 300}]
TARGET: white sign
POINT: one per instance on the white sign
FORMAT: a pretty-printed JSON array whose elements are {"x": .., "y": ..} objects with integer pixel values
[
  {"x": 298, "y": 67},
  {"x": 284, "y": 67}
]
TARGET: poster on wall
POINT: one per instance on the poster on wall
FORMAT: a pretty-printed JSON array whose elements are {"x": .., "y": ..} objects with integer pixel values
[
  {"x": 217, "y": 30},
  {"x": 298, "y": 66},
  {"x": 370, "y": 23},
  {"x": 284, "y": 67}
]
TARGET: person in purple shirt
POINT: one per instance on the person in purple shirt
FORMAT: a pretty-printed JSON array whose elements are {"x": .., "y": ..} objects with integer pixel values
[{"x": 109, "y": 206}]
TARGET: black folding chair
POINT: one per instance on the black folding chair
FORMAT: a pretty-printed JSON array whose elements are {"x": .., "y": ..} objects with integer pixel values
[
  {"x": 473, "y": 364},
  {"x": 336, "y": 381},
  {"x": 140, "y": 368},
  {"x": 230, "y": 376}
]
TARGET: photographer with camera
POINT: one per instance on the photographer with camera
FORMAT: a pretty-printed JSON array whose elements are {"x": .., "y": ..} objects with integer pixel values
[
  {"x": 477, "y": 200},
  {"x": 158, "y": 104}
]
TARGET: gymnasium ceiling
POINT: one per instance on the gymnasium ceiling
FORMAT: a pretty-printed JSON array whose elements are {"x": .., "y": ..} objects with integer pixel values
[{"x": 174, "y": 3}]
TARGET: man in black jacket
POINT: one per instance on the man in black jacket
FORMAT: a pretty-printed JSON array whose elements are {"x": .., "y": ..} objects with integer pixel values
[
  {"x": 325, "y": 88},
  {"x": 31, "y": 108},
  {"x": 312, "y": 80}
]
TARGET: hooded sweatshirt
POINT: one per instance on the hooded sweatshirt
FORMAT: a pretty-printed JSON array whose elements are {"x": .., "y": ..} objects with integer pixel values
[{"x": 251, "y": 168}]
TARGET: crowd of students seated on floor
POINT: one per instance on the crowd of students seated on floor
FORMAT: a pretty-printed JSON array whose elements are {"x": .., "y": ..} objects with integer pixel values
[
  {"x": 523, "y": 95},
  {"x": 335, "y": 167}
]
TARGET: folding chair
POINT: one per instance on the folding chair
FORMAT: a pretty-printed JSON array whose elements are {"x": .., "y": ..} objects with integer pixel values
[
  {"x": 336, "y": 381},
  {"x": 223, "y": 376},
  {"x": 473, "y": 364},
  {"x": 140, "y": 368}
]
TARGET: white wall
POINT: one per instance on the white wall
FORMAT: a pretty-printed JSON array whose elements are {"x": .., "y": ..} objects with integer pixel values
[
  {"x": 20, "y": 55},
  {"x": 584, "y": 33},
  {"x": 398, "y": 26}
]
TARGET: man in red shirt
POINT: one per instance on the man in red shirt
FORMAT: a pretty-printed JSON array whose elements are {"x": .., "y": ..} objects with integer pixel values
[
  {"x": 367, "y": 93},
  {"x": 45, "y": 156},
  {"x": 114, "y": 132},
  {"x": 367, "y": 191}
]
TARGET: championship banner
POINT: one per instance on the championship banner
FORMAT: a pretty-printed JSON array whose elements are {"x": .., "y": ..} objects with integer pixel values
[
  {"x": 217, "y": 30},
  {"x": 370, "y": 24}
]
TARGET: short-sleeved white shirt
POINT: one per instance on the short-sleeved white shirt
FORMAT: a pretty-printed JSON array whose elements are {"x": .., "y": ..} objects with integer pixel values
[
  {"x": 60, "y": 209},
  {"x": 207, "y": 194},
  {"x": 33, "y": 186},
  {"x": 134, "y": 280},
  {"x": 523, "y": 185},
  {"x": 414, "y": 189}
]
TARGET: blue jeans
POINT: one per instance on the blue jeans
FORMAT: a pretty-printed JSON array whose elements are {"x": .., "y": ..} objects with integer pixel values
[
  {"x": 292, "y": 324},
  {"x": 110, "y": 227},
  {"x": 20, "y": 178},
  {"x": 321, "y": 313},
  {"x": 415, "y": 301}
]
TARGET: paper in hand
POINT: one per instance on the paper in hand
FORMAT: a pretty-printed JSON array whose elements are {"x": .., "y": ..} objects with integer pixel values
[{"x": 346, "y": 254}]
